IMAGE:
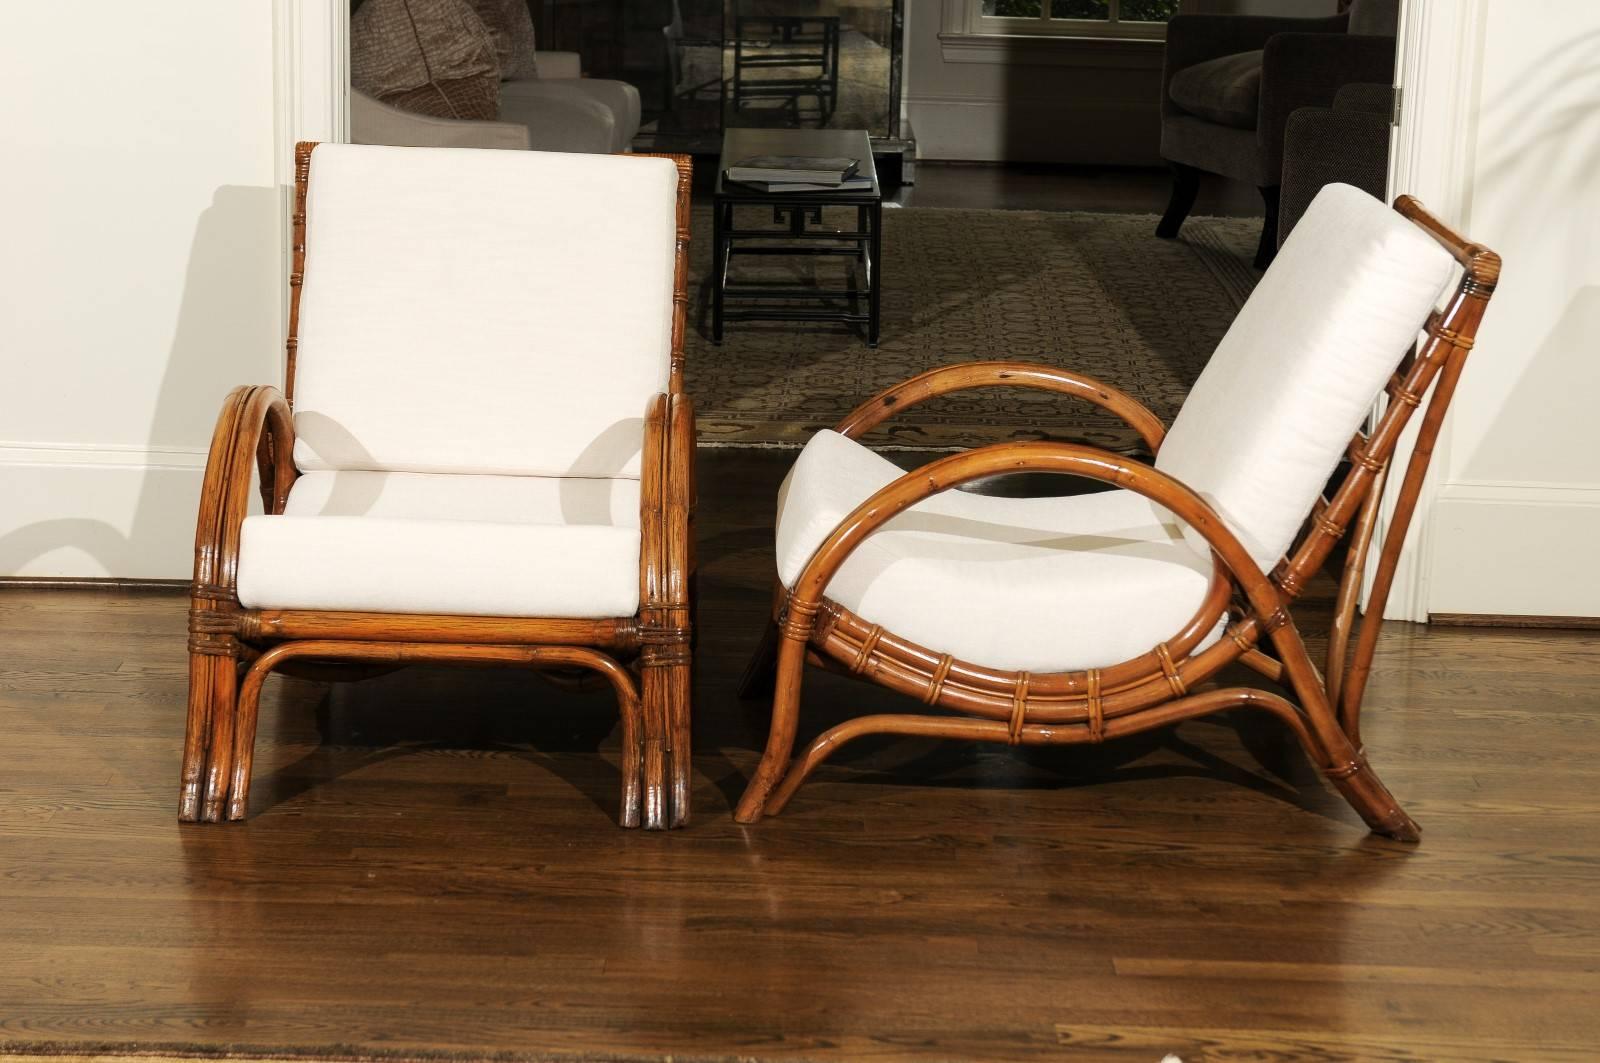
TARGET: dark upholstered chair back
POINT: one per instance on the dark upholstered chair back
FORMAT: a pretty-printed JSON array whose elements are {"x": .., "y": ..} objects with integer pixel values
[{"x": 1375, "y": 18}]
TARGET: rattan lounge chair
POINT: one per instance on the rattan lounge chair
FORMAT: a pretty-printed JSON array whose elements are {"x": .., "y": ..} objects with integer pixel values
[
  {"x": 482, "y": 452},
  {"x": 1093, "y": 616}
]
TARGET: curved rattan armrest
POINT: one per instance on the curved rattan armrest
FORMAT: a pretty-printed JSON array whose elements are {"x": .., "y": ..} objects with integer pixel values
[
  {"x": 255, "y": 432},
  {"x": 666, "y": 499},
  {"x": 1061, "y": 458},
  {"x": 949, "y": 378}
]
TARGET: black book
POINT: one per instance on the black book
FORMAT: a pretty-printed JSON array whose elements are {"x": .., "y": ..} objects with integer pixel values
[
  {"x": 799, "y": 169},
  {"x": 849, "y": 184}
]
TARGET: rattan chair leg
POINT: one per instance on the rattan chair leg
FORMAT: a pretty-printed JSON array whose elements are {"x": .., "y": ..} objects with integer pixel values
[
  {"x": 1343, "y": 763},
  {"x": 785, "y": 717},
  {"x": 1355, "y": 682},
  {"x": 246, "y": 714},
  {"x": 1344, "y": 611},
  {"x": 831, "y": 741},
  {"x": 655, "y": 695},
  {"x": 630, "y": 763},
  {"x": 985, "y": 730},
  {"x": 219, "y": 760},
  {"x": 1372, "y": 800},
  {"x": 562, "y": 658},
  {"x": 679, "y": 685},
  {"x": 197, "y": 735}
]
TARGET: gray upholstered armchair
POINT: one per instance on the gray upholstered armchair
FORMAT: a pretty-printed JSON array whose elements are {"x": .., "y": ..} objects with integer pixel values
[
  {"x": 1230, "y": 83},
  {"x": 1347, "y": 143}
]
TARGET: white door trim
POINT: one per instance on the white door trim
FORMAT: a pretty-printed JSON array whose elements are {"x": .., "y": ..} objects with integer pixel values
[
  {"x": 311, "y": 97},
  {"x": 1439, "y": 55},
  {"x": 313, "y": 75}
]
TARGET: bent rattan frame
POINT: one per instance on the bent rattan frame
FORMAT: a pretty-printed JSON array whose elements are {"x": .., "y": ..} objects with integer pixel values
[
  {"x": 1162, "y": 686},
  {"x": 645, "y": 658}
]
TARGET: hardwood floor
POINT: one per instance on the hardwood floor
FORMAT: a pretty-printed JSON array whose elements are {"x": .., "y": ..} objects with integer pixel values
[{"x": 430, "y": 866}]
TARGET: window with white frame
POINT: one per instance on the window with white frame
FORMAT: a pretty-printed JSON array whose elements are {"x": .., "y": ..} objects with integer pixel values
[{"x": 1069, "y": 18}]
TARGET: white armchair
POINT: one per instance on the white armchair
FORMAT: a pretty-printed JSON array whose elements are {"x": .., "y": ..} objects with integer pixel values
[
  {"x": 560, "y": 110},
  {"x": 561, "y": 82},
  {"x": 374, "y": 122},
  {"x": 482, "y": 451},
  {"x": 1090, "y": 616}
]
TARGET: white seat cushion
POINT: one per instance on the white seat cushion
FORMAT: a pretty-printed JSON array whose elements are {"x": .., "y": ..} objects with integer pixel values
[
  {"x": 453, "y": 544},
  {"x": 497, "y": 499},
  {"x": 478, "y": 311},
  {"x": 1286, "y": 389},
  {"x": 1034, "y": 584}
]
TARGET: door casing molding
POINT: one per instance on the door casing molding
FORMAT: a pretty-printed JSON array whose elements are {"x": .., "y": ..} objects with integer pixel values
[
  {"x": 311, "y": 97},
  {"x": 1438, "y": 62},
  {"x": 313, "y": 75}
]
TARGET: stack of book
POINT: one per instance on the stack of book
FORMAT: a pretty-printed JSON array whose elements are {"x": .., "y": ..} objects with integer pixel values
[{"x": 798, "y": 173}]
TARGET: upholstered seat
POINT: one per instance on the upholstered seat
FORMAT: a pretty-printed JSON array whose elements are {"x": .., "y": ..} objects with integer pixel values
[
  {"x": 482, "y": 453},
  {"x": 1082, "y": 617},
  {"x": 1225, "y": 90},
  {"x": 391, "y": 542},
  {"x": 1044, "y": 584},
  {"x": 521, "y": 99}
]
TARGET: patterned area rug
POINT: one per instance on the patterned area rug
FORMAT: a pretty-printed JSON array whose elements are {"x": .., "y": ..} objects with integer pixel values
[{"x": 1093, "y": 292}]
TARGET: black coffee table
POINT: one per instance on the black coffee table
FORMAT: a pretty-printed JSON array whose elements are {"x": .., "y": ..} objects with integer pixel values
[{"x": 799, "y": 231}]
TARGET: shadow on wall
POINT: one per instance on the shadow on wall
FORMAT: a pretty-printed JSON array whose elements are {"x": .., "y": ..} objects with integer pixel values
[
  {"x": 1562, "y": 144},
  {"x": 1562, "y": 365},
  {"x": 1533, "y": 200},
  {"x": 226, "y": 333}
]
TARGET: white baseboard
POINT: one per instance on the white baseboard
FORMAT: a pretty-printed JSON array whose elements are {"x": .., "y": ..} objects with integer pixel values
[
  {"x": 1498, "y": 549},
  {"x": 91, "y": 512}
]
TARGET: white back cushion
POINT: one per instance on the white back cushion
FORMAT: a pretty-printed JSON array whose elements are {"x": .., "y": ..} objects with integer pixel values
[
  {"x": 480, "y": 311},
  {"x": 1294, "y": 377}
]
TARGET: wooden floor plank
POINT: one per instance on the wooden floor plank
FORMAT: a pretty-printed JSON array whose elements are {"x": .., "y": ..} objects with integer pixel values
[{"x": 430, "y": 868}]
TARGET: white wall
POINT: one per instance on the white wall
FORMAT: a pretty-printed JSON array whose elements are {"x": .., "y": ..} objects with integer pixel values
[
  {"x": 1027, "y": 103},
  {"x": 1068, "y": 102},
  {"x": 142, "y": 270},
  {"x": 1515, "y": 524}
]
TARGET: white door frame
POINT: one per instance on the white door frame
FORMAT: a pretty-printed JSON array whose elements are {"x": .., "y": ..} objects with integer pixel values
[
  {"x": 1439, "y": 53},
  {"x": 313, "y": 75},
  {"x": 311, "y": 95}
]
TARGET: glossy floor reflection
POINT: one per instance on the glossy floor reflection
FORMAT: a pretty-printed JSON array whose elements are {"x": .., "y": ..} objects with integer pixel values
[{"x": 431, "y": 868}]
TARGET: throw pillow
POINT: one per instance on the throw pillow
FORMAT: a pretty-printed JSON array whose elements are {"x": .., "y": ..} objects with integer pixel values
[
  {"x": 511, "y": 25},
  {"x": 432, "y": 57}
]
